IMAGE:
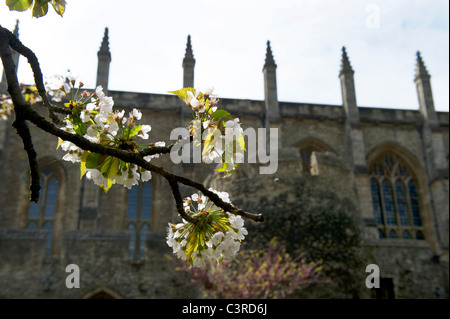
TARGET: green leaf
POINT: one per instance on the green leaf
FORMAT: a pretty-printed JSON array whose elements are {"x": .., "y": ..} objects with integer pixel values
[
  {"x": 218, "y": 114},
  {"x": 223, "y": 168},
  {"x": 59, "y": 142},
  {"x": 134, "y": 131},
  {"x": 241, "y": 142},
  {"x": 83, "y": 163},
  {"x": 92, "y": 160},
  {"x": 106, "y": 188},
  {"x": 110, "y": 167},
  {"x": 182, "y": 93},
  {"x": 19, "y": 5},
  {"x": 40, "y": 8},
  {"x": 59, "y": 6},
  {"x": 78, "y": 126},
  {"x": 208, "y": 139}
]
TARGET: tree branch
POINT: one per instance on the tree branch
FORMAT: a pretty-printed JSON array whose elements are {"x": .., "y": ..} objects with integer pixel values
[
  {"x": 179, "y": 202},
  {"x": 24, "y": 112},
  {"x": 135, "y": 158},
  {"x": 19, "y": 122}
]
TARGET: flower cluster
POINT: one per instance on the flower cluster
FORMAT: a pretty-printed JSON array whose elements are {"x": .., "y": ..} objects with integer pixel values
[
  {"x": 92, "y": 117},
  {"x": 57, "y": 86},
  {"x": 215, "y": 129},
  {"x": 5, "y": 107},
  {"x": 270, "y": 273},
  {"x": 29, "y": 92},
  {"x": 216, "y": 235}
]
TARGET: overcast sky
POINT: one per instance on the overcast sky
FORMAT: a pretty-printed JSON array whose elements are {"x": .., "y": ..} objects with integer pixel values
[{"x": 148, "y": 40}]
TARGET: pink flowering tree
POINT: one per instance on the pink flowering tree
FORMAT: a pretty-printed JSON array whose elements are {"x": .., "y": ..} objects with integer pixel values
[
  {"x": 112, "y": 147},
  {"x": 256, "y": 274}
]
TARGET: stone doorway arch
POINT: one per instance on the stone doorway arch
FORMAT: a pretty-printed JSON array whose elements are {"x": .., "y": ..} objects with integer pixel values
[{"x": 102, "y": 293}]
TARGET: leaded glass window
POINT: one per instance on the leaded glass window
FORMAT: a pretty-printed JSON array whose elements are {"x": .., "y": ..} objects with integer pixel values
[
  {"x": 139, "y": 216},
  {"x": 41, "y": 215},
  {"x": 395, "y": 198}
]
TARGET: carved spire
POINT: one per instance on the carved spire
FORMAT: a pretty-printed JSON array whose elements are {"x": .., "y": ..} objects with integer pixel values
[
  {"x": 188, "y": 65},
  {"x": 424, "y": 93},
  {"x": 104, "y": 59},
  {"x": 421, "y": 70},
  {"x": 346, "y": 67},
  {"x": 16, "y": 29},
  {"x": 348, "y": 90},
  {"x": 269, "y": 57},
  {"x": 189, "y": 56},
  {"x": 270, "y": 88},
  {"x": 104, "y": 48}
]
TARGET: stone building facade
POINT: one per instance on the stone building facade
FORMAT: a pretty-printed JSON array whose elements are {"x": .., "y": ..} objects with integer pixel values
[{"x": 393, "y": 164}]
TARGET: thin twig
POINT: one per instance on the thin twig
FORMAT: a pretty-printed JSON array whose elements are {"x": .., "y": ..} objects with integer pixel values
[{"x": 179, "y": 202}]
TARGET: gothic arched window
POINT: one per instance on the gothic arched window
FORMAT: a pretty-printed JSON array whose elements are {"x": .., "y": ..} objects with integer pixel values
[
  {"x": 307, "y": 147},
  {"x": 306, "y": 153},
  {"x": 41, "y": 215},
  {"x": 139, "y": 215},
  {"x": 395, "y": 198}
]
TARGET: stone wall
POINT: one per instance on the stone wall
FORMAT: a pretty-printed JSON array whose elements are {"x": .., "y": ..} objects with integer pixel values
[{"x": 94, "y": 236}]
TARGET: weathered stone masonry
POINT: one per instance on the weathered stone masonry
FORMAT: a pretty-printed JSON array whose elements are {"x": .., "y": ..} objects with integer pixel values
[{"x": 337, "y": 142}]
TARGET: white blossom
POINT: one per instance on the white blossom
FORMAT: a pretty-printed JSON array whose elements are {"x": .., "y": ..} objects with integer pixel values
[
  {"x": 72, "y": 156},
  {"x": 218, "y": 246},
  {"x": 235, "y": 126},
  {"x": 143, "y": 133},
  {"x": 192, "y": 99},
  {"x": 99, "y": 91},
  {"x": 136, "y": 114},
  {"x": 146, "y": 175},
  {"x": 208, "y": 91},
  {"x": 96, "y": 176},
  {"x": 72, "y": 77},
  {"x": 85, "y": 115}
]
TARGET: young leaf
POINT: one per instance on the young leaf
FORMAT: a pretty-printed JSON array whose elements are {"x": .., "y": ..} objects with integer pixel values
[
  {"x": 59, "y": 6},
  {"x": 92, "y": 160},
  {"x": 223, "y": 168},
  {"x": 110, "y": 167},
  {"x": 191, "y": 247},
  {"x": 217, "y": 115},
  {"x": 80, "y": 128},
  {"x": 106, "y": 188},
  {"x": 209, "y": 137},
  {"x": 83, "y": 163},
  {"x": 40, "y": 8},
  {"x": 134, "y": 131},
  {"x": 182, "y": 93},
  {"x": 59, "y": 142},
  {"x": 19, "y": 5},
  {"x": 241, "y": 142}
]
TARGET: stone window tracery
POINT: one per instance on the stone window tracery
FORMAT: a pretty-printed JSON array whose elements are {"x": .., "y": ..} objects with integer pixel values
[
  {"x": 395, "y": 198},
  {"x": 41, "y": 215},
  {"x": 139, "y": 215}
]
